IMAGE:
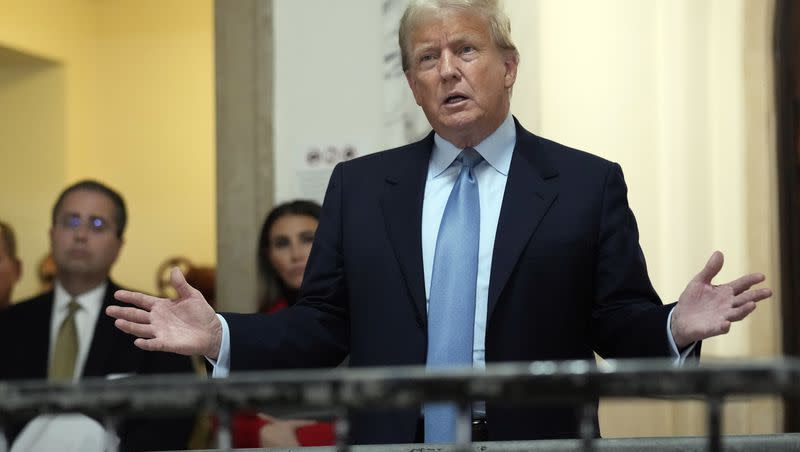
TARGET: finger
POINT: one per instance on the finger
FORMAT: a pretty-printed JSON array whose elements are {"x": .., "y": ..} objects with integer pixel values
[
  {"x": 751, "y": 296},
  {"x": 713, "y": 266},
  {"x": 268, "y": 418},
  {"x": 745, "y": 282},
  {"x": 183, "y": 288},
  {"x": 736, "y": 314},
  {"x": 135, "y": 329},
  {"x": 135, "y": 315},
  {"x": 145, "y": 302},
  {"x": 149, "y": 345},
  {"x": 296, "y": 423}
]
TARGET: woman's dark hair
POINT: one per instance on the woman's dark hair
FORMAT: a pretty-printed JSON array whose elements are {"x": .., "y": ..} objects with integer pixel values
[{"x": 276, "y": 289}]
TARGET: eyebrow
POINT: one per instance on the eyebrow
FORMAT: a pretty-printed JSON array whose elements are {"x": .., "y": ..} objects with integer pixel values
[{"x": 457, "y": 41}]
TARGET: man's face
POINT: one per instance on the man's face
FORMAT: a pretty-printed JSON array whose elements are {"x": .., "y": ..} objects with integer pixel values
[
  {"x": 10, "y": 270},
  {"x": 84, "y": 240},
  {"x": 459, "y": 77}
]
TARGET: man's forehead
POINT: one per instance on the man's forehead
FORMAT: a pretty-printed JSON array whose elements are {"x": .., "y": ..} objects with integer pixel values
[
  {"x": 438, "y": 31},
  {"x": 87, "y": 202}
]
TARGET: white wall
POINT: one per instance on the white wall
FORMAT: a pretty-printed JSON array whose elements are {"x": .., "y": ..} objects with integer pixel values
[{"x": 328, "y": 84}]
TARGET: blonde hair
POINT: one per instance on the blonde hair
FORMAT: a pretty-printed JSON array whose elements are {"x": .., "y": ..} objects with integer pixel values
[{"x": 491, "y": 10}]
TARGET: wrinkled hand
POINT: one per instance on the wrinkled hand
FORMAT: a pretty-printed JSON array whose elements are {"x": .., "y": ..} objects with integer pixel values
[
  {"x": 279, "y": 432},
  {"x": 187, "y": 325},
  {"x": 705, "y": 310}
]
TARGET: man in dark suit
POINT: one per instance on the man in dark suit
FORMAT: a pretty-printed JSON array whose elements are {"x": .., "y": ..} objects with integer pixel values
[
  {"x": 62, "y": 335},
  {"x": 480, "y": 243}
]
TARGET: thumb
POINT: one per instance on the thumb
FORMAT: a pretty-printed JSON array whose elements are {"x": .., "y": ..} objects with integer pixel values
[
  {"x": 268, "y": 418},
  {"x": 297, "y": 423},
  {"x": 713, "y": 266},
  {"x": 178, "y": 281}
]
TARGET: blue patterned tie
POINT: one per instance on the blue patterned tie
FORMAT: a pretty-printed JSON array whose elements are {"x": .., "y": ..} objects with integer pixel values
[{"x": 451, "y": 310}]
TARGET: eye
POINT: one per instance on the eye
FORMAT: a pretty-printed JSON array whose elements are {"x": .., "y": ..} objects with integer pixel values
[
  {"x": 72, "y": 221},
  {"x": 426, "y": 57},
  {"x": 280, "y": 242},
  {"x": 307, "y": 237},
  {"x": 98, "y": 224},
  {"x": 467, "y": 49}
]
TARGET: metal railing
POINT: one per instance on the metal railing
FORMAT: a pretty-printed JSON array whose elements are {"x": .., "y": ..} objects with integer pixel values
[{"x": 342, "y": 389}]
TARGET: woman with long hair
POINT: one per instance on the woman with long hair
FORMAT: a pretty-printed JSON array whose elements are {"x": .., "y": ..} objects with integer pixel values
[{"x": 283, "y": 248}]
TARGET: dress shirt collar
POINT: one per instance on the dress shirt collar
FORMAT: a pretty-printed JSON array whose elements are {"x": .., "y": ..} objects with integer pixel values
[
  {"x": 496, "y": 149},
  {"x": 90, "y": 301}
]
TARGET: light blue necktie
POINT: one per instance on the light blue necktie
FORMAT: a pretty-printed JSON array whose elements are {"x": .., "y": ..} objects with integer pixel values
[{"x": 451, "y": 310}]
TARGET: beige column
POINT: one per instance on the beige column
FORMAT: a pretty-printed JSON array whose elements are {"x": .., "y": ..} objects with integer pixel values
[{"x": 244, "y": 73}]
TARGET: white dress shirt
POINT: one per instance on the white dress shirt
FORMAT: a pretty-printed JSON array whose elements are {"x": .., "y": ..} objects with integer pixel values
[{"x": 85, "y": 319}]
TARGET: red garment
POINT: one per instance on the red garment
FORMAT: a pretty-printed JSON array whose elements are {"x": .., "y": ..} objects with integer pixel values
[
  {"x": 247, "y": 426},
  {"x": 279, "y": 305}
]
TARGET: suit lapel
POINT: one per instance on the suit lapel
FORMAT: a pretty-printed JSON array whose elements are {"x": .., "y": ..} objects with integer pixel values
[
  {"x": 102, "y": 339},
  {"x": 529, "y": 193},
  {"x": 38, "y": 338},
  {"x": 401, "y": 204}
]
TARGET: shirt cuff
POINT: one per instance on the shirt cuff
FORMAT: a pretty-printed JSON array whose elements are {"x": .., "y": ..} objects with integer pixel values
[
  {"x": 222, "y": 365},
  {"x": 679, "y": 357}
]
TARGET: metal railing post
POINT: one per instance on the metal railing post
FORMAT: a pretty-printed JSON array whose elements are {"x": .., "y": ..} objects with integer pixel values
[
  {"x": 224, "y": 436},
  {"x": 464, "y": 428},
  {"x": 587, "y": 426},
  {"x": 714, "y": 423},
  {"x": 342, "y": 431}
]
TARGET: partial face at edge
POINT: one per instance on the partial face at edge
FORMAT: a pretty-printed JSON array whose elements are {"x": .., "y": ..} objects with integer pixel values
[{"x": 10, "y": 272}]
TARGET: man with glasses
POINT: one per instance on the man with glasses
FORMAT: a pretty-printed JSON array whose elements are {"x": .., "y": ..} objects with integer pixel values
[{"x": 62, "y": 335}]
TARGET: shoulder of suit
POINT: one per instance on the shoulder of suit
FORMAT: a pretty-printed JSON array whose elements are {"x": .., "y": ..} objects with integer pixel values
[
  {"x": 389, "y": 156},
  {"x": 43, "y": 299},
  {"x": 27, "y": 310},
  {"x": 568, "y": 155}
]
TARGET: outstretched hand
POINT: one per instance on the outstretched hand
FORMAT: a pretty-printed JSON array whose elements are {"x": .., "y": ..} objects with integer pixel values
[
  {"x": 280, "y": 432},
  {"x": 187, "y": 325},
  {"x": 705, "y": 310}
]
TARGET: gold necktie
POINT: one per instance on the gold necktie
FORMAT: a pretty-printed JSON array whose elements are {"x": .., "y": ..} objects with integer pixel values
[{"x": 65, "y": 351}]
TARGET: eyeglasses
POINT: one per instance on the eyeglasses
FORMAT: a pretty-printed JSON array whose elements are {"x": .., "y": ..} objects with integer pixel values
[{"x": 74, "y": 222}]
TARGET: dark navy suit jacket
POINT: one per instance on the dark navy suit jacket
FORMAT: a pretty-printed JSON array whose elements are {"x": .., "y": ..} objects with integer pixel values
[{"x": 568, "y": 278}]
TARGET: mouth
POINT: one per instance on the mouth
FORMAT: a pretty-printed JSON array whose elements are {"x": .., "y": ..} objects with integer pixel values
[
  {"x": 79, "y": 254},
  {"x": 455, "y": 99}
]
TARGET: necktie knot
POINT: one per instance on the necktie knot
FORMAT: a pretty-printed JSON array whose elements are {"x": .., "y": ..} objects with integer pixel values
[
  {"x": 469, "y": 158},
  {"x": 73, "y": 307}
]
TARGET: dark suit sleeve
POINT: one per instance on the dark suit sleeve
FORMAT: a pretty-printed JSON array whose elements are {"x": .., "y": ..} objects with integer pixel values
[
  {"x": 315, "y": 331},
  {"x": 628, "y": 319}
]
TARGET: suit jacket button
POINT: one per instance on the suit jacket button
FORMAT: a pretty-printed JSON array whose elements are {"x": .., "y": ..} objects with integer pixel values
[{"x": 419, "y": 322}]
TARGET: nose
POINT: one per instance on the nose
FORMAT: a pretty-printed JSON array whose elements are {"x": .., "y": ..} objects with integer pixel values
[
  {"x": 448, "y": 66},
  {"x": 81, "y": 233},
  {"x": 296, "y": 252}
]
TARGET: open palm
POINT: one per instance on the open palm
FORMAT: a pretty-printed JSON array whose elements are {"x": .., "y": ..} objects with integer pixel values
[
  {"x": 705, "y": 310},
  {"x": 187, "y": 325}
]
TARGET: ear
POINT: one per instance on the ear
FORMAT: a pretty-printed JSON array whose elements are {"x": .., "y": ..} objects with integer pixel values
[
  {"x": 412, "y": 83},
  {"x": 18, "y": 269},
  {"x": 511, "y": 63}
]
